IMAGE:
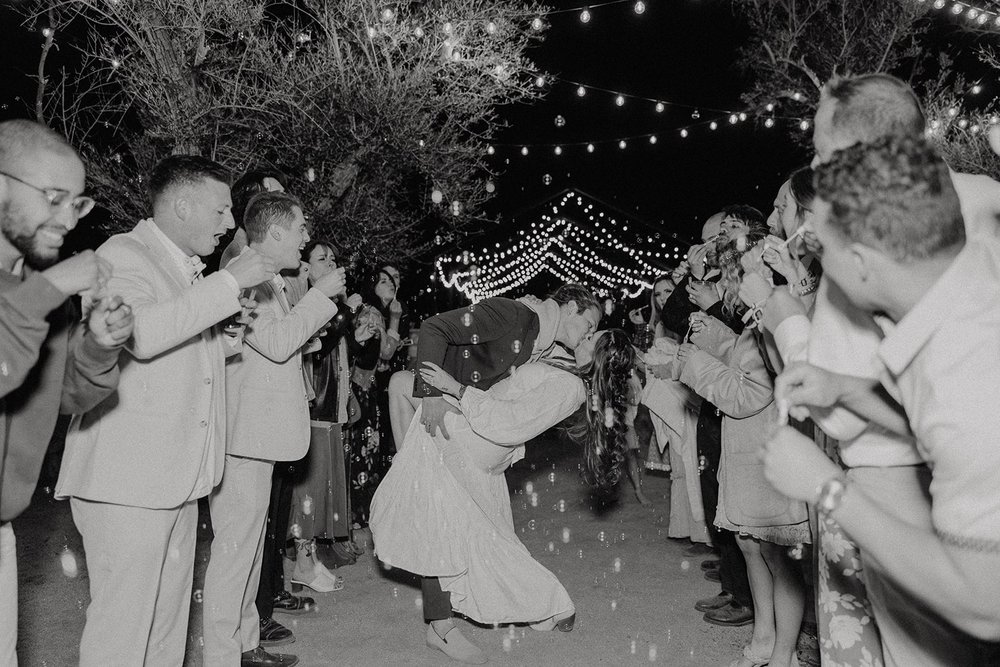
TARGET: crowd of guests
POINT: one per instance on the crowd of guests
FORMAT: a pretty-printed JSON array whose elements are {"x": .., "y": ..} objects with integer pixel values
[
  {"x": 254, "y": 381},
  {"x": 821, "y": 381},
  {"x": 825, "y": 376}
]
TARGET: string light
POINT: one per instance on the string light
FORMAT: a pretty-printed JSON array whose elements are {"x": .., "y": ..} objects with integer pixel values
[
  {"x": 573, "y": 242},
  {"x": 639, "y": 7},
  {"x": 974, "y": 14},
  {"x": 620, "y": 100},
  {"x": 585, "y": 16}
]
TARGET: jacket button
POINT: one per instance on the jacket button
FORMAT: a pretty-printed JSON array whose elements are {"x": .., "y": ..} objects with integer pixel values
[
  {"x": 203, "y": 423},
  {"x": 207, "y": 380}
]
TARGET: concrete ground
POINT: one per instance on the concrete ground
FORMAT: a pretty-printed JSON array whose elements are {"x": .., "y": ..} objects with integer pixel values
[{"x": 633, "y": 587}]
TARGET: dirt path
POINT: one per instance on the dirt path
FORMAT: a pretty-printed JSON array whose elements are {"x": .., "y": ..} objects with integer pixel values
[{"x": 633, "y": 588}]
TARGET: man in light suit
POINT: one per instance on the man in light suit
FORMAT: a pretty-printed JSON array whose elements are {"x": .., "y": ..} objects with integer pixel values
[
  {"x": 267, "y": 421},
  {"x": 135, "y": 465}
]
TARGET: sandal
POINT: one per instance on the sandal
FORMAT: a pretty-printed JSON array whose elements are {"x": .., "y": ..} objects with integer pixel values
[{"x": 755, "y": 660}]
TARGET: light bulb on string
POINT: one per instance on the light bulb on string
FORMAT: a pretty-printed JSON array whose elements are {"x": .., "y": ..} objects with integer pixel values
[
  {"x": 490, "y": 150},
  {"x": 956, "y": 9},
  {"x": 491, "y": 28},
  {"x": 639, "y": 7},
  {"x": 560, "y": 121},
  {"x": 695, "y": 115},
  {"x": 585, "y": 15},
  {"x": 743, "y": 116},
  {"x": 622, "y": 144},
  {"x": 590, "y": 148},
  {"x": 491, "y": 187},
  {"x": 976, "y": 89},
  {"x": 537, "y": 24},
  {"x": 983, "y": 18},
  {"x": 437, "y": 196},
  {"x": 418, "y": 32},
  {"x": 557, "y": 150},
  {"x": 660, "y": 107},
  {"x": 713, "y": 125},
  {"x": 804, "y": 125},
  {"x": 684, "y": 134},
  {"x": 388, "y": 14},
  {"x": 769, "y": 122},
  {"x": 652, "y": 139},
  {"x": 620, "y": 100},
  {"x": 524, "y": 150},
  {"x": 733, "y": 119},
  {"x": 581, "y": 91},
  {"x": 769, "y": 107},
  {"x": 48, "y": 32},
  {"x": 540, "y": 81}
]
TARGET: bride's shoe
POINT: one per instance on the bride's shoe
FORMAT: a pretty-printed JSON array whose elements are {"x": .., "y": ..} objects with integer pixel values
[
  {"x": 454, "y": 645},
  {"x": 562, "y": 622}
]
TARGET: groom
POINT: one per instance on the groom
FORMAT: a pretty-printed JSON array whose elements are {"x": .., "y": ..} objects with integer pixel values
[{"x": 479, "y": 346}]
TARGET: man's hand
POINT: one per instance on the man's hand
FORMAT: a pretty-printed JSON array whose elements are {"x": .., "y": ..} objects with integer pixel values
[
  {"x": 795, "y": 466},
  {"x": 697, "y": 254},
  {"x": 332, "y": 284},
  {"x": 434, "y": 408},
  {"x": 636, "y": 318},
  {"x": 251, "y": 268},
  {"x": 395, "y": 309},
  {"x": 755, "y": 290},
  {"x": 802, "y": 386},
  {"x": 703, "y": 295},
  {"x": 84, "y": 273},
  {"x": 661, "y": 371},
  {"x": 110, "y": 322},
  {"x": 354, "y": 302}
]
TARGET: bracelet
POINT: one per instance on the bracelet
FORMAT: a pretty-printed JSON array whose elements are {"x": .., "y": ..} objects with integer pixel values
[{"x": 807, "y": 285}]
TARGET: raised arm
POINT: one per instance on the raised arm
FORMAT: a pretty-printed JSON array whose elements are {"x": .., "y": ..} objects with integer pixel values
[
  {"x": 164, "y": 323},
  {"x": 739, "y": 390},
  {"x": 278, "y": 335}
]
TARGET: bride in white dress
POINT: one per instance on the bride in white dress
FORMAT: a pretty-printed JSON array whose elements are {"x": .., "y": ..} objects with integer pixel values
[{"x": 443, "y": 510}]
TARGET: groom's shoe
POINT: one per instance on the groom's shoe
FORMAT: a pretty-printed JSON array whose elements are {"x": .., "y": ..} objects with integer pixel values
[{"x": 455, "y": 646}]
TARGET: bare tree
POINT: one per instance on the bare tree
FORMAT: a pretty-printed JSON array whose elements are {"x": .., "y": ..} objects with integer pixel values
[
  {"x": 369, "y": 106},
  {"x": 795, "y": 46}
]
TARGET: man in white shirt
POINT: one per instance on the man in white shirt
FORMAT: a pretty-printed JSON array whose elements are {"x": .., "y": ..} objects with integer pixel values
[
  {"x": 894, "y": 241},
  {"x": 136, "y": 464}
]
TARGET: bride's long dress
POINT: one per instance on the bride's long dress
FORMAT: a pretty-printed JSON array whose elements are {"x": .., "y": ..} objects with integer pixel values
[{"x": 443, "y": 510}]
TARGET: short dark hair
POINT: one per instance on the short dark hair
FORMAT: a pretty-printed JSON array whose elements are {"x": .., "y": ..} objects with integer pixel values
[
  {"x": 249, "y": 184},
  {"x": 872, "y": 106},
  {"x": 578, "y": 294},
  {"x": 319, "y": 243},
  {"x": 19, "y": 137},
  {"x": 745, "y": 213},
  {"x": 894, "y": 194},
  {"x": 266, "y": 209},
  {"x": 803, "y": 190},
  {"x": 183, "y": 170}
]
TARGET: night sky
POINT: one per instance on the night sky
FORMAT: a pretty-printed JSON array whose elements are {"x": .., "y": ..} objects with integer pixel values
[{"x": 681, "y": 51}]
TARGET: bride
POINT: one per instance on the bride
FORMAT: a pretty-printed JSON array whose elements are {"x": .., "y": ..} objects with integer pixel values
[{"x": 443, "y": 510}]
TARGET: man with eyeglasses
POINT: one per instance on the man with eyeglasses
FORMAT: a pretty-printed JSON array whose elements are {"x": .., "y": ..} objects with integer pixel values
[{"x": 50, "y": 362}]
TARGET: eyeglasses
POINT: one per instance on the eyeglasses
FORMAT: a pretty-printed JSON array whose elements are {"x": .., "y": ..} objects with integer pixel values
[{"x": 59, "y": 198}]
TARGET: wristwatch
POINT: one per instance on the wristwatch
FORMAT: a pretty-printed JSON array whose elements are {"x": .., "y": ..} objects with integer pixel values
[
  {"x": 830, "y": 494},
  {"x": 461, "y": 392}
]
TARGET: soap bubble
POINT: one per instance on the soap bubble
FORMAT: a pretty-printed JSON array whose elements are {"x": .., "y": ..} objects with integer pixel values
[
  {"x": 67, "y": 560},
  {"x": 565, "y": 535}
]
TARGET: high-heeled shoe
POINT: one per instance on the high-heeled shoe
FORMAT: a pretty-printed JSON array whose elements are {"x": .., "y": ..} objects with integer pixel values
[
  {"x": 311, "y": 573},
  {"x": 563, "y": 622}
]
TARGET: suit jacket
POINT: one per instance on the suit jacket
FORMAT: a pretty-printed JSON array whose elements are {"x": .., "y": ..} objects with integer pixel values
[
  {"x": 48, "y": 364},
  {"x": 147, "y": 444},
  {"x": 267, "y": 400},
  {"x": 477, "y": 345}
]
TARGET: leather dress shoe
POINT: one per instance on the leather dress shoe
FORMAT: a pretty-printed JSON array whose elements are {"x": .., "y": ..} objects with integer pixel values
[
  {"x": 713, "y": 575},
  {"x": 273, "y": 633},
  {"x": 714, "y": 602},
  {"x": 455, "y": 646},
  {"x": 732, "y": 615},
  {"x": 261, "y": 658},
  {"x": 710, "y": 564},
  {"x": 286, "y": 603},
  {"x": 335, "y": 554}
]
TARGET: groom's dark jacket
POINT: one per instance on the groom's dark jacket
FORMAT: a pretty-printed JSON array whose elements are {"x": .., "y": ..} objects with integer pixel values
[{"x": 480, "y": 344}]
